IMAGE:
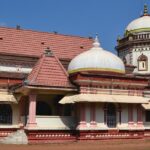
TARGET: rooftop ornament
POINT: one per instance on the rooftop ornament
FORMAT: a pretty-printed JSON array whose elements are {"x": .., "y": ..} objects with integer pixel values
[
  {"x": 96, "y": 42},
  {"x": 145, "y": 12},
  {"x": 48, "y": 52}
]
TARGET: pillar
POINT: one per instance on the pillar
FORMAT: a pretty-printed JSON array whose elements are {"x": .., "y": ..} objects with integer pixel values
[
  {"x": 105, "y": 114},
  {"x": 21, "y": 111},
  {"x": 82, "y": 115},
  {"x": 139, "y": 116},
  {"x": 93, "y": 115},
  {"x": 119, "y": 111},
  {"x": 130, "y": 115},
  {"x": 32, "y": 110}
]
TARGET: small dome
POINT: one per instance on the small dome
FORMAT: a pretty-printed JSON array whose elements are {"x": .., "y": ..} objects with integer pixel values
[
  {"x": 96, "y": 59},
  {"x": 141, "y": 24}
]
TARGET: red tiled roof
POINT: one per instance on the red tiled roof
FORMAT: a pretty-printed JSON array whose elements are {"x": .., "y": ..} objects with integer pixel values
[
  {"x": 32, "y": 43},
  {"x": 48, "y": 71}
]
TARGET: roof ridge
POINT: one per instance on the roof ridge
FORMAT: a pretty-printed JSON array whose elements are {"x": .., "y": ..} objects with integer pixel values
[
  {"x": 60, "y": 65},
  {"x": 40, "y": 61},
  {"x": 32, "y": 30},
  {"x": 42, "y": 77}
]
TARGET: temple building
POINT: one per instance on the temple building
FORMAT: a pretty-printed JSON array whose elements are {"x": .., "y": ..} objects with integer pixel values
[{"x": 56, "y": 88}]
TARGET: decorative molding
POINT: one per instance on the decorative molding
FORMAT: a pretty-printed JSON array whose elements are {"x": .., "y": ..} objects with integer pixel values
[{"x": 15, "y": 69}]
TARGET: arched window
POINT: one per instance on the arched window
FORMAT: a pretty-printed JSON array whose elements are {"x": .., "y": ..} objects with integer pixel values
[
  {"x": 142, "y": 63},
  {"x": 43, "y": 109},
  {"x": 5, "y": 114}
]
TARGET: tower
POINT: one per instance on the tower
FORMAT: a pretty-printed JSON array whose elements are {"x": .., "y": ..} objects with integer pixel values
[{"x": 134, "y": 47}]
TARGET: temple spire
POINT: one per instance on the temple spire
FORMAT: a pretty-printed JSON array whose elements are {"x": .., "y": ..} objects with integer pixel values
[
  {"x": 145, "y": 12},
  {"x": 96, "y": 42}
]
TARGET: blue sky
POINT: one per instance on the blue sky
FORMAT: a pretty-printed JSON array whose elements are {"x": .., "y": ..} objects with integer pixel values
[{"x": 107, "y": 18}]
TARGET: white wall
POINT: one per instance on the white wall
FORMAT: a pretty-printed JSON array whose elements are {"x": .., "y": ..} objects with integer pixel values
[
  {"x": 136, "y": 53},
  {"x": 133, "y": 55},
  {"x": 55, "y": 122},
  {"x": 15, "y": 109},
  {"x": 87, "y": 114},
  {"x": 100, "y": 117},
  {"x": 124, "y": 116}
]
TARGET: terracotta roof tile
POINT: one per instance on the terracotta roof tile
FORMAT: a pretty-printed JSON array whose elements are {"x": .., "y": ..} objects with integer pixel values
[
  {"x": 48, "y": 71},
  {"x": 32, "y": 43}
]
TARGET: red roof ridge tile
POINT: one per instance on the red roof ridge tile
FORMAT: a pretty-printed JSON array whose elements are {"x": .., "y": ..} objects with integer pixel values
[
  {"x": 48, "y": 71},
  {"x": 61, "y": 65},
  {"x": 40, "y": 64},
  {"x": 61, "y": 34}
]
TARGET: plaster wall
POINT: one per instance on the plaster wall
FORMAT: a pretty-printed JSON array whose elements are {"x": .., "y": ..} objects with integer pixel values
[
  {"x": 99, "y": 118},
  {"x": 124, "y": 117},
  {"x": 136, "y": 53}
]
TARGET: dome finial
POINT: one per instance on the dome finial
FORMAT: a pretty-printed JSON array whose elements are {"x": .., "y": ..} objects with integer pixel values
[
  {"x": 145, "y": 12},
  {"x": 96, "y": 42}
]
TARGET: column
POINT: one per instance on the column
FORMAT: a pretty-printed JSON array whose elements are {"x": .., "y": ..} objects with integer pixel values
[
  {"x": 82, "y": 116},
  {"x": 139, "y": 116},
  {"x": 32, "y": 111},
  {"x": 130, "y": 115},
  {"x": 105, "y": 114},
  {"x": 92, "y": 115},
  {"x": 21, "y": 112},
  {"x": 119, "y": 111}
]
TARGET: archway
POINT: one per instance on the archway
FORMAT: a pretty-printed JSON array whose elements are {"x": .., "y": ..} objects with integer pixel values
[
  {"x": 43, "y": 109},
  {"x": 5, "y": 114},
  {"x": 111, "y": 115}
]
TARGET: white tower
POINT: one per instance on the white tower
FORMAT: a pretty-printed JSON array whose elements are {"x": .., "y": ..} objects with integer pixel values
[{"x": 134, "y": 47}]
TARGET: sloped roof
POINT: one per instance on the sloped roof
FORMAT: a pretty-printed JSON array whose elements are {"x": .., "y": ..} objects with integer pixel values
[
  {"x": 48, "y": 71},
  {"x": 32, "y": 43}
]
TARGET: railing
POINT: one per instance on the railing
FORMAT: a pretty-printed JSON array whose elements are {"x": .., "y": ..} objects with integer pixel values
[
  {"x": 141, "y": 36},
  {"x": 131, "y": 38}
]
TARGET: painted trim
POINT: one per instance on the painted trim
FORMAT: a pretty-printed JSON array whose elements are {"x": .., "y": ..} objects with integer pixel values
[
  {"x": 137, "y": 30},
  {"x": 97, "y": 69},
  {"x": 15, "y": 69}
]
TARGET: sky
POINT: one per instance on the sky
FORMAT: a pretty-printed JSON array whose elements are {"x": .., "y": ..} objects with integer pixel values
[{"x": 107, "y": 18}]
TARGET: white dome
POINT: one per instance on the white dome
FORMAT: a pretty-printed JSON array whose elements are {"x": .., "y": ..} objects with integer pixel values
[
  {"x": 96, "y": 59},
  {"x": 141, "y": 24}
]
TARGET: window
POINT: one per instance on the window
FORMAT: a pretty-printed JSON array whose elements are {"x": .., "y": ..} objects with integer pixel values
[
  {"x": 111, "y": 115},
  {"x": 5, "y": 114},
  {"x": 142, "y": 63},
  {"x": 43, "y": 109},
  {"x": 67, "y": 110},
  {"x": 147, "y": 116}
]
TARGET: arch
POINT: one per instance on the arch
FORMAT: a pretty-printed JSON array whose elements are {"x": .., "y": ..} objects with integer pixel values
[
  {"x": 5, "y": 114},
  {"x": 111, "y": 115},
  {"x": 142, "y": 58},
  {"x": 142, "y": 63},
  {"x": 43, "y": 109}
]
